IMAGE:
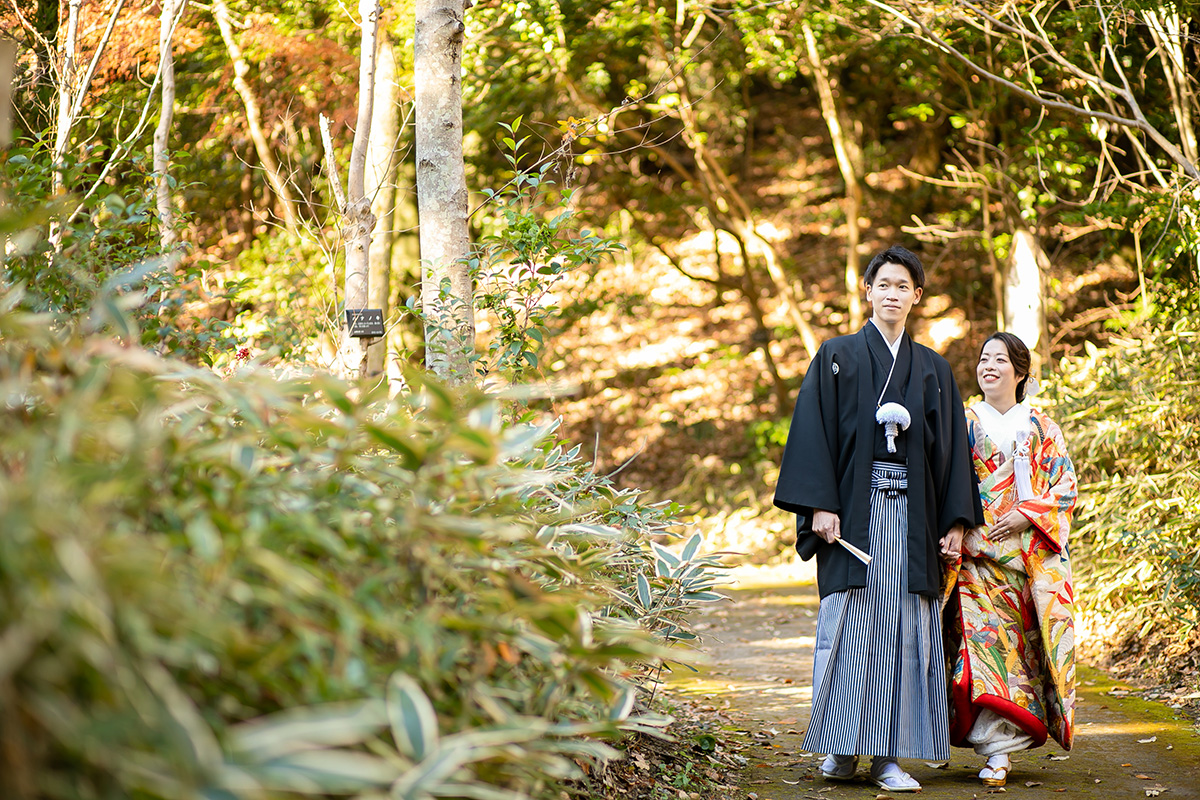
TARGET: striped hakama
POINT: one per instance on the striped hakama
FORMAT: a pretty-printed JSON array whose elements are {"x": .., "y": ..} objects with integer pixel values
[{"x": 879, "y": 674}]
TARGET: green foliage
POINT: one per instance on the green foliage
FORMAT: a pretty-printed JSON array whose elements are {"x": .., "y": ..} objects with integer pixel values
[
  {"x": 108, "y": 252},
  {"x": 532, "y": 246},
  {"x": 184, "y": 554},
  {"x": 1132, "y": 415}
]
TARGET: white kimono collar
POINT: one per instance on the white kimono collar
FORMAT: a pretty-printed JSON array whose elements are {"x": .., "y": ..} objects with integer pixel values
[{"x": 1004, "y": 429}]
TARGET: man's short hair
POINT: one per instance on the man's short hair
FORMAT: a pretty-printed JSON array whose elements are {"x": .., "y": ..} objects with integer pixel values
[{"x": 897, "y": 255}]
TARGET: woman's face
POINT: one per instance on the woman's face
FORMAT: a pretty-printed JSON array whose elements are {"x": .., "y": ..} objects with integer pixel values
[{"x": 996, "y": 375}]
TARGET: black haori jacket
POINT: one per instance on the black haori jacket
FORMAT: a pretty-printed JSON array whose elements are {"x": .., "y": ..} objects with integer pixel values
[{"x": 834, "y": 439}]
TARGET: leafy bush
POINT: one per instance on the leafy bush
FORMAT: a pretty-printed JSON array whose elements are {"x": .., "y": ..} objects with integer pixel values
[
  {"x": 1132, "y": 416},
  {"x": 107, "y": 244},
  {"x": 236, "y": 588}
]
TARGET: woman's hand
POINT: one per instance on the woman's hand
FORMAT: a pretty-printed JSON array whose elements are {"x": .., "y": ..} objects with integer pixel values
[
  {"x": 827, "y": 525},
  {"x": 1010, "y": 524},
  {"x": 952, "y": 543}
]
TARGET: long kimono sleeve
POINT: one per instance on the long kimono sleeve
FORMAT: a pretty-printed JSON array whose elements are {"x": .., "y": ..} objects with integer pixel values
[
  {"x": 807, "y": 476},
  {"x": 960, "y": 501},
  {"x": 1054, "y": 484}
]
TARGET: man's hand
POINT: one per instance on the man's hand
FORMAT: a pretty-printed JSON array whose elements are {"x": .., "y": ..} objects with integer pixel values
[
  {"x": 952, "y": 543},
  {"x": 827, "y": 525}
]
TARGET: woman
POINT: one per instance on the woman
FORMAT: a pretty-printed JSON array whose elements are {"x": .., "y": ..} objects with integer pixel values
[{"x": 1010, "y": 635}]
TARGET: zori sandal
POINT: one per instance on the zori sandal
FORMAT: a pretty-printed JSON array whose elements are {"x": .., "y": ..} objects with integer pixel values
[{"x": 839, "y": 768}]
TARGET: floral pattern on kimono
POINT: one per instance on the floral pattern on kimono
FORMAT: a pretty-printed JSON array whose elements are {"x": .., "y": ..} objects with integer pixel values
[{"x": 1010, "y": 634}]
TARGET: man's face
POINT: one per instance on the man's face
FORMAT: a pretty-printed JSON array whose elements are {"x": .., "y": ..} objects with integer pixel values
[{"x": 893, "y": 294}]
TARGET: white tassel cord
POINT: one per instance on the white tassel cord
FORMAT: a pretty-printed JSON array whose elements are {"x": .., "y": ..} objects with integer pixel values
[
  {"x": 894, "y": 418},
  {"x": 1022, "y": 469}
]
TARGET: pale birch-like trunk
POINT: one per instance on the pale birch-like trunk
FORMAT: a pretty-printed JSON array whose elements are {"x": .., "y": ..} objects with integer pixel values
[
  {"x": 442, "y": 190},
  {"x": 848, "y": 160},
  {"x": 358, "y": 223},
  {"x": 382, "y": 160},
  {"x": 275, "y": 176},
  {"x": 67, "y": 78},
  {"x": 162, "y": 157},
  {"x": 1024, "y": 305},
  {"x": 8, "y": 60}
]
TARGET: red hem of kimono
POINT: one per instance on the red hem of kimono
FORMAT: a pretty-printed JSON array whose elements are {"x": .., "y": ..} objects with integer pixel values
[{"x": 965, "y": 711}]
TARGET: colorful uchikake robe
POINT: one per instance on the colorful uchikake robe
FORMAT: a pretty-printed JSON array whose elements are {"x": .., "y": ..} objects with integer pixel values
[{"x": 1010, "y": 636}]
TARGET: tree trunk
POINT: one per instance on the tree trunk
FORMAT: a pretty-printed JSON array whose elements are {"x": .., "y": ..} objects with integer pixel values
[
  {"x": 8, "y": 60},
  {"x": 283, "y": 195},
  {"x": 849, "y": 162},
  {"x": 162, "y": 160},
  {"x": 1024, "y": 307},
  {"x": 65, "y": 101},
  {"x": 382, "y": 160},
  {"x": 359, "y": 222},
  {"x": 447, "y": 295}
]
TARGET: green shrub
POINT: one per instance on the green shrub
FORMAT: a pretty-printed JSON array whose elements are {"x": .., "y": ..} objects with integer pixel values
[
  {"x": 240, "y": 587},
  {"x": 1131, "y": 413}
]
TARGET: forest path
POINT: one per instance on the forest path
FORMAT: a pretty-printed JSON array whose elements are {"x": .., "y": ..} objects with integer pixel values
[{"x": 759, "y": 650}]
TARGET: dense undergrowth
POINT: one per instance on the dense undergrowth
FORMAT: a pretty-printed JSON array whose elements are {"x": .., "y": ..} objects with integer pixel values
[
  {"x": 255, "y": 585},
  {"x": 1131, "y": 412}
]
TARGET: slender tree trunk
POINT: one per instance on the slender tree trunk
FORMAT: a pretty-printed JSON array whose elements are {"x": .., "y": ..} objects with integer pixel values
[
  {"x": 359, "y": 222},
  {"x": 275, "y": 176},
  {"x": 162, "y": 159},
  {"x": 849, "y": 163},
  {"x": 447, "y": 295},
  {"x": 762, "y": 332},
  {"x": 1023, "y": 296},
  {"x": 67, "y": 80},
  {"x": 406, "y": 262},
  {"x": 382, "y": 161},
  {"x": 65, "y": 102},
  {"x": 8, "y": 60}
]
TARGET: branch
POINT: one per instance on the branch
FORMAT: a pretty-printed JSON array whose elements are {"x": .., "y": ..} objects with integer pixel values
[
  {"x": 77, "y": 106},
  {"x": 1137, "y": 122},
  {"x": 335, "y": 180}
]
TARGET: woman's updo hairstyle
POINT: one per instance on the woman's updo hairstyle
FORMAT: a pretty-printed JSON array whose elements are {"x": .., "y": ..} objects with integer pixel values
[{"x": 1018, "y": 356}]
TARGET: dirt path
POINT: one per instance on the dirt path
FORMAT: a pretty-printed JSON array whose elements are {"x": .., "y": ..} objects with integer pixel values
[{"x": 760, "y": 651}]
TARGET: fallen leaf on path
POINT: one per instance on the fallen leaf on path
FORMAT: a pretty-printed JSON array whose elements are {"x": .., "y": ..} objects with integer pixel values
[
  {"x": 1155, "y": 791},
  {"x": 1127, "y": 765},
  {"x": 1142, "y": 777},
  {"x": 1170, "y": 747},
  {"x": 937, "y": 764},
  {"x": 792, "y": 732},
  {"x": 791, "y": 783},
  {"x": 1058, "y": 758},
  {"x": 1060, "y": 790},
  {"x": 788, "y": 721},
  {"x": 1148, "y": 741},
  {"x": 1033, "y": 783}
]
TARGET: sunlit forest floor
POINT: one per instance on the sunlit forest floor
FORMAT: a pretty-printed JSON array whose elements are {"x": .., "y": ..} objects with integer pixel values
[{"x": 753, "y": 692}]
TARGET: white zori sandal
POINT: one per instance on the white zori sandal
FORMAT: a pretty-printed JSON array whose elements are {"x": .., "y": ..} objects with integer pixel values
[
  {"x": 839, "y": 768},
  {"x": 888, "y": 775},
  {"x": 996, "y": 771}
]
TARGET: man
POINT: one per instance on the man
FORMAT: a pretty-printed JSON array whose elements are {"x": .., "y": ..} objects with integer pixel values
[{"x": 902, "y": 492}]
